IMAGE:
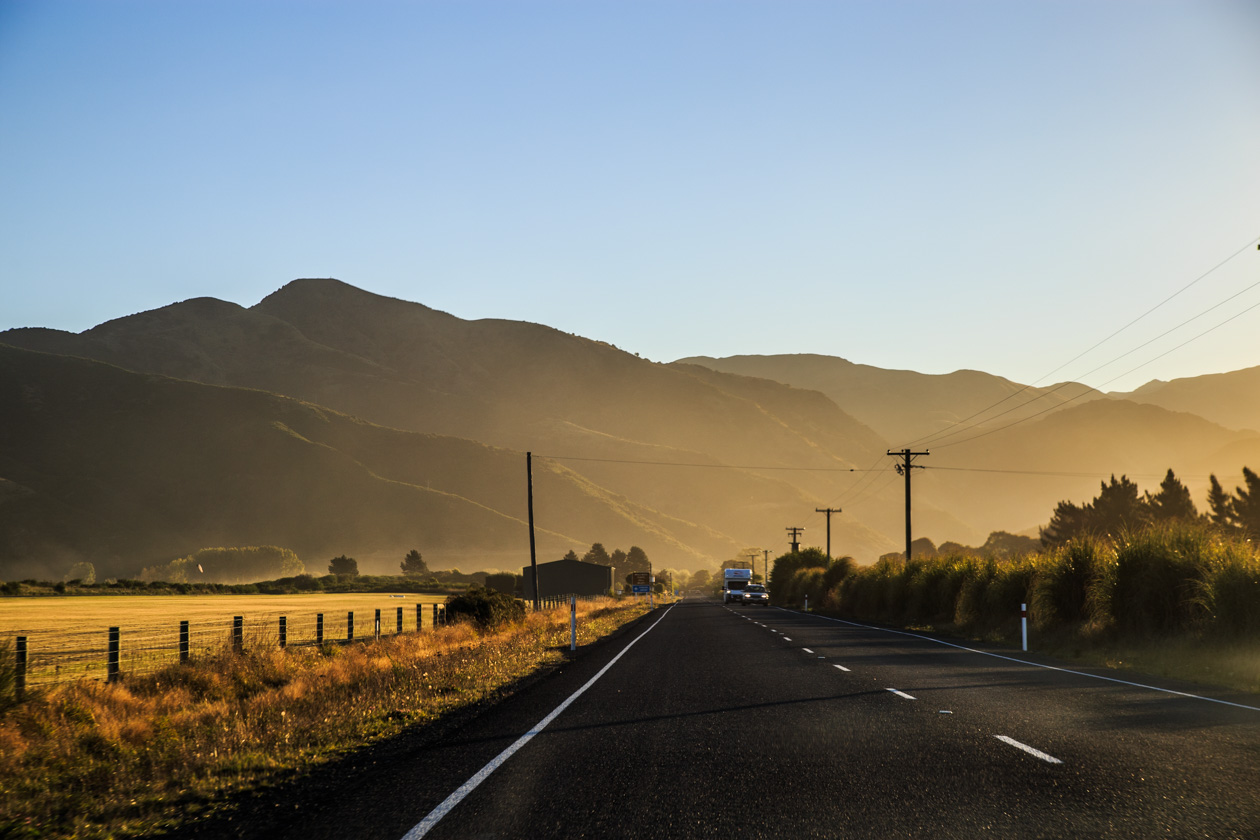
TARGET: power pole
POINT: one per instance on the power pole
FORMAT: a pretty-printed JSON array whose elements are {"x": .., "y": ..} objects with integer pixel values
[
  {"x": 796, "y": 537},
  {"x": 752, "y": 560},
  {"x": 533, "y": 553},
  {"x": 904, "y": 468},
  {"x": 828, "y": 511},
  {"x": 765, "y": 553}
]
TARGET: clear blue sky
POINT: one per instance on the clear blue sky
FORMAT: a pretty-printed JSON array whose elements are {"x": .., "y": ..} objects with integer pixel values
[{"x": 928, "y": 185}]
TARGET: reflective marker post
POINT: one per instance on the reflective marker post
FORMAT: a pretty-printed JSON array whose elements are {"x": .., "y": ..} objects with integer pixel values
[
  {"x": 572, "y": 622},
  {"x": 1023, "y": 621}
]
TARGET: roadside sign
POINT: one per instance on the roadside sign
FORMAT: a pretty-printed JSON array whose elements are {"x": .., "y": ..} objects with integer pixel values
[
  {"x": 641, "y": 588},
  {"x": 641, "y": 578}
]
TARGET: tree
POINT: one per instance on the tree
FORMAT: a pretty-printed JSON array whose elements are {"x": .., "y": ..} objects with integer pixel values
[
  {"x": 700, "y": 579},
  {"x": 1246, "y": 505},
  {"x": 1172, "y": 502},
  {"x": 413, "y": 565},
  {"x": 637, "y": 560},
  {"x": 343, "y": 565},
  {"x": 1220, "y": 505},
  {"x": 571, "y": 555},
  {"x": 597, "y": 554},
  {"x": 83, "y": 572},
  {"x": 1118, "y": 508},
  {"x": 1068, "y": 522}
]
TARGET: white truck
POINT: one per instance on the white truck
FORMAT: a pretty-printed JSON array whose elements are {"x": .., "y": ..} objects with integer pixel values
[{"x": 733, "y": 583}]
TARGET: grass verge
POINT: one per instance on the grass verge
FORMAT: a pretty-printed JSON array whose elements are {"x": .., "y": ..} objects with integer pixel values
[{"x": 96, "y": 760}]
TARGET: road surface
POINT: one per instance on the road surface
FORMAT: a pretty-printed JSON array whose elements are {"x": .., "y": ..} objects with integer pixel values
[{"x": 707, "y": 721}]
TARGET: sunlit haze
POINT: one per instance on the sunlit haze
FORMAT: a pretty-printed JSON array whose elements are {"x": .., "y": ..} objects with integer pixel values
[{"x": 922, "y": 185}]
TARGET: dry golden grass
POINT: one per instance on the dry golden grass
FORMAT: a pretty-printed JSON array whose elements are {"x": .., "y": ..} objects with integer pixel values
[{"x": 90, "y": 759}]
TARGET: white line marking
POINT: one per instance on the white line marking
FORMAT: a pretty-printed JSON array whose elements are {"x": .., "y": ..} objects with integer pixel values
[
  {"x": 786, "y": 639},
  {"x": 902, "y": 694},
  {"x": 1038, "y": 664},
  {"x": 807, "y": 650},
  {"x": 842, "y": 668},
  {"x": 1036, "y": 753},
  {"x": 426, "y": 824}
]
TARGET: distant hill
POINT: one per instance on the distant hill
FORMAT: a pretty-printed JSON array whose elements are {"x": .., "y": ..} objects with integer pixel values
[
  {"x": 1230, "y": 399},
  {"x": 902, "y": 405},
  {"x": 126, "y": 470},
  {"x": 516, "y": 385}
]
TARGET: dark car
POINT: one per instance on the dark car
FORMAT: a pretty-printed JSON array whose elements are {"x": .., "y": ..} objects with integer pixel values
[{"x": 755, "y": 593}]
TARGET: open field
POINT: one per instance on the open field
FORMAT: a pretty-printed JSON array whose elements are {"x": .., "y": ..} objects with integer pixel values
[
  {"x": 68, "y": 637},
  {"x": 90, "y": 759}
]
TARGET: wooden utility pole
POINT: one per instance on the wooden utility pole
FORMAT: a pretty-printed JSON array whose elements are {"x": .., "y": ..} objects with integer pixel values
[
  {"x": 752, "y": 560},
  {"x": 828, "y": 511},
  {"x": 904, "y": 468},
  {"x": 796, "y": 538},
  {"x": 765, "y": 553},
  {"x": 533, "y": 552}
]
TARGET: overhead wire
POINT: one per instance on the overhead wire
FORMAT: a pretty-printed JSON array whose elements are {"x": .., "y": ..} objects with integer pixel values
[{"x": 949, "y": 430}]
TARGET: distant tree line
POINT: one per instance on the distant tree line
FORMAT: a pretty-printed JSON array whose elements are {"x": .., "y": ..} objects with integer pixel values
[
  {"x": 1120, "y": 508},
  {"x": 624, "y": 563}
]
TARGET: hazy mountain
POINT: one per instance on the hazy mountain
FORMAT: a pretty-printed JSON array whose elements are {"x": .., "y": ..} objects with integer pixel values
[
  {"x": 903, "y": 405},
  {"x": 128, "y": 469},
  {"x": 517, "y": 385},
  {"x": 1230, "y": 399}
]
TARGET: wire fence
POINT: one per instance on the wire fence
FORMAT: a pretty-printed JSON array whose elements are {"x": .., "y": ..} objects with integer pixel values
[{"x": 46, "y": 656}]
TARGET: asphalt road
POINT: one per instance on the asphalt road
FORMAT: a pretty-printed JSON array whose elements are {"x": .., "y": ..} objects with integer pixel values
[{"x": 758, "y": 722}]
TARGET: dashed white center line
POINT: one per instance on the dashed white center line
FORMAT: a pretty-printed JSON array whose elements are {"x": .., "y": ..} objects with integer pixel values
[
  {"x": 807, "y": 650},
  {"x": 902, "y": 694},
  {"x": 786, "y": 639},
  {"x": 1036, "y": 753},
  {"x": 841, "y": 667}
]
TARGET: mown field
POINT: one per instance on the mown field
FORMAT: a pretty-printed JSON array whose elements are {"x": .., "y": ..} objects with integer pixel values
[
  {"x": 154, "y": 751},
  {"x": 67, "y": 636}
]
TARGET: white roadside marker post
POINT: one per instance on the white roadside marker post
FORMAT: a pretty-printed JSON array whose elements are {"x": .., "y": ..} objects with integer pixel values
[
  {"x": 1023, "y": 621},
  {"x": 573, "y": 622}
]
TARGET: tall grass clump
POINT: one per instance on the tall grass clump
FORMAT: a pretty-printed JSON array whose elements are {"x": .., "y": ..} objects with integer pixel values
[
  {"x": 1060, "y": 595},
  {"x": 1229, "y": 591},
  {"x": 1156, "y": 577}
]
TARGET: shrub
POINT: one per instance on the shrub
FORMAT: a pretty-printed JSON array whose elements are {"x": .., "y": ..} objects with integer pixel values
[
  {"x": 1229, "y": 593},
  {"x": 485, "y": 607},
  {"x": 1156, "y": 578},
  {"x": 1060, "y": 591}
]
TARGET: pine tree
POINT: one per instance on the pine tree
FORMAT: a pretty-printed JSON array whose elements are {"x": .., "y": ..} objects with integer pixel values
[
  {"x": 1172, "y": 502},
  {"x": 413, "y": 564},
  {"x": 1246, "y": 505},
  {"x": 1220, "y": 505}
]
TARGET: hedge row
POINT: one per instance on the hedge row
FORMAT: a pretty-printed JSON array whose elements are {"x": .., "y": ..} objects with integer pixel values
[{"x": 1169, "y": 580}]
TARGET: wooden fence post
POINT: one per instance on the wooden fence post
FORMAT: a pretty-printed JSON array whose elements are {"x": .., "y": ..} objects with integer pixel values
[
  {"x": 183, "y": 643},
  {"x": 111, "y": 664},
  {"x": 400, "y": 620},
  {"x": 19, "y": 677},
  {"x": 284, "y": 632},
  {"x": 435, "y": 616},
  {"x": 319, "y": 629},
  {"x": 238, "y": 633},
  {"x": 419, "y": 617},
  {"x": 378, "y": 624},
  {"x": 350, "y": 626}
]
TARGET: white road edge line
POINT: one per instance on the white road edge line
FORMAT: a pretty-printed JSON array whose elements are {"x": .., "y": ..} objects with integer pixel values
[
  {"x": 1036, "y": 753},
  {"x": 425, "y": 825},
  {"x": 841, "y": 667},
  {"x": 902, "y": 694},
  {"x": 807, "y": 650},
  {"x": 1038, "y": 664}
]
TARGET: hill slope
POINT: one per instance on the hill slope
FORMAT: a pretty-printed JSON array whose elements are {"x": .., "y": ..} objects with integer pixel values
[{"x": 127, "y": 469}]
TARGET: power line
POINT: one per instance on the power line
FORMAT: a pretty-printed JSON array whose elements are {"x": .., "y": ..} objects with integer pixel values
[
  {"x": 946, "y": 432},
  {"x": 709, "y": 466},
  {"x": 1109, "y": 381}
]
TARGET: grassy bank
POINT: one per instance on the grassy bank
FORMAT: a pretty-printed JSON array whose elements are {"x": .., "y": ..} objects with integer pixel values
[
  {"x": 90, "y": 759},
  {"x": 1181, "y": 600}
]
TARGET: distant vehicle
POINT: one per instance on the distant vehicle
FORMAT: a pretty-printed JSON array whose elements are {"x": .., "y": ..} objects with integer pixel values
[
  {"x": 755, "y": 593},
  {"x": 734, "y": 581}
]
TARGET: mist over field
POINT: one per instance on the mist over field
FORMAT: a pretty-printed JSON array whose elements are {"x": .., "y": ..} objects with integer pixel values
[{"x": 327, "y": 420}]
